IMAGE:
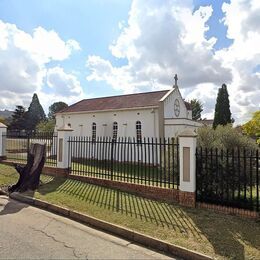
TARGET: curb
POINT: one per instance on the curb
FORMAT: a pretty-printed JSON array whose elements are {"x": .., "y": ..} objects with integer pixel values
[{"x": 122, "y": 232}]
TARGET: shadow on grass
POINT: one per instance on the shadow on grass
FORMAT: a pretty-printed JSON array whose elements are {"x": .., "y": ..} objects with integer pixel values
[
  {"x": 228, "y": 235},
  {"x": 49, "y": 184}
]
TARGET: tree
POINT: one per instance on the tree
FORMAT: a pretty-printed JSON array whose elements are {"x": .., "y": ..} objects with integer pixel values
[
  {"x": 29, "y": 178},
  {"x": 18, "y": 121},
  {"x": 197, "y": 108},
  {"x": 224, "y": 137},
  {"x": 56, "y": 107},
  {"x": 222, "y": 109},
  {"x": 35, "y": 113},
  {"x": 46, "y": 126},
  {"x": 252, "y": 127}
]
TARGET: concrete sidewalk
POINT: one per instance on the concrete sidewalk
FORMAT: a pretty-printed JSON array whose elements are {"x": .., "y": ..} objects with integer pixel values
[{"x": 31, "y": 233}]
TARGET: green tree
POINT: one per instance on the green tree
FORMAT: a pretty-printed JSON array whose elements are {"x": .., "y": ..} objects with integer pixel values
[
  {"x": 197, "y": 108},
  {"x": 18, "y": 121},
  {"x": 222, "y": 109},
  {"x": 252, "y": 127},
  {"x": 35, "y": 113},
  {"x": 224, "y": 137},
  {"x": 56, "y": 107},
  {"x": 46, "y": 126}
]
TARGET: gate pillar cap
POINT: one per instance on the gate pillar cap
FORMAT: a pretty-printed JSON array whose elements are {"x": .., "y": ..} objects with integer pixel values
[
  {"x": 2, "y": 125},
  {"x": 65, "y": 128}
]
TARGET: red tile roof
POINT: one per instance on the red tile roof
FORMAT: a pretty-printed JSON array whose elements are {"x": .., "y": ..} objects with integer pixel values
[{"x": 139, "y": 100}]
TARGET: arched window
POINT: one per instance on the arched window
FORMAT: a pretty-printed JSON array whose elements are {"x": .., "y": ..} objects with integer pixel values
[
  {"x": 138, "y": 126},
  {"x": 115, "y": 130},
  {"x": 94, "y": 132}
]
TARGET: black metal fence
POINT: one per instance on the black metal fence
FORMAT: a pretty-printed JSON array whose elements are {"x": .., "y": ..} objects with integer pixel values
[
  {"x": 229, "y": 177},
  {"x": 17, "y": 144},
  {"x": 152, "y": 162}
]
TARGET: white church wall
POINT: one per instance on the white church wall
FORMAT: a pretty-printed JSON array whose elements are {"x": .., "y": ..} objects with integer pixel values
[
  {"x": 81, "y": 123},
  {"x": 82, "y": 126}
]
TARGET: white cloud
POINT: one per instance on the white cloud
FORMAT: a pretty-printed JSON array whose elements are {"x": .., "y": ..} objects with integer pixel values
[
  {"x": 63, "y": 84},
  {"x": 44, "y": 45},
  {"x": 206, "y": 93},
  {"x": 160, "y": 40},
  {"x": 243, "y": 56},
  {"x": 23, "y": 63}
]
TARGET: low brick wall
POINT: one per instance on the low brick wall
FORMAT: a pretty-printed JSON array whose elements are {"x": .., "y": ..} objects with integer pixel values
[
  {"x": 187, "y": 199},
  {"x": 10, "y": 163},
  {"x": 54, "y": 171},
  {"x": 150, "y": 192},
  {"x": 229, "y": 210},
  {"x": 2, "y": 158},
  {"x": 57, "y": 172}
]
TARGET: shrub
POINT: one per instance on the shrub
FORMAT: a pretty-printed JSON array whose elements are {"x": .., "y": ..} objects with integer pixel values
[
  {"x": 226, "y": 166},
  {"x": 224, "y": 137}
]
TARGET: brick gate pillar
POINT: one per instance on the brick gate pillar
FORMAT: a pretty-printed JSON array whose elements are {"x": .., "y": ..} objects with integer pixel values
[
  {"x": 63, "y": 147},
  {"x": 2, "y": 141},
  {"x": 187, "y": 153}
]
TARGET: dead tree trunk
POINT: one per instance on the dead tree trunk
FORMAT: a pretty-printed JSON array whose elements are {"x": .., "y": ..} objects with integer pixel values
[{"x": 30, "y": 173}]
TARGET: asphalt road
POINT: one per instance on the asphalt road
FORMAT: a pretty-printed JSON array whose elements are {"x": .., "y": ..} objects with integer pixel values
[{"x": 30, "y": 233}]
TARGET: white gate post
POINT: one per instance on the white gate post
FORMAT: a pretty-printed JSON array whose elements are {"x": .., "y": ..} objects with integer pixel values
[
  {"x": 187, "y": 153},
  {"x": 2, "y": 140},
  {"x": 63, "y": 147}
]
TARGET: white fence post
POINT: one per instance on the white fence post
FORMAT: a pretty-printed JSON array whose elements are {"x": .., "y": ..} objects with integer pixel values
[
  {"x": 63, "y": 147},
  {"x": 2, "y": 140},
  {"x": 187, "y": 153}
]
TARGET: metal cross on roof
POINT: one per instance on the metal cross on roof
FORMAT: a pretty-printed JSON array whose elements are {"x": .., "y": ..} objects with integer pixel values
[{"x": 176, "y": 79}]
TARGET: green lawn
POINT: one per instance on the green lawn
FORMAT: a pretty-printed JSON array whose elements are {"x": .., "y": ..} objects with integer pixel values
[
  {"x": 136, "y": 172},
  {"x": 218, "y": 235}
]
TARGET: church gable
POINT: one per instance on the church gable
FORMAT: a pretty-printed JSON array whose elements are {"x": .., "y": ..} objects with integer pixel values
[{"x": 174, "y": 105}]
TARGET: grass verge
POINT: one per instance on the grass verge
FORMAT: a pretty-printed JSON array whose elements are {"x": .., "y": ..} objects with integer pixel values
[{"x": 217, "y": 235}]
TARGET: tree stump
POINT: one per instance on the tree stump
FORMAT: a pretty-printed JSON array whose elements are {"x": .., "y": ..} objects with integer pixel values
[{"x": 30, "y": 173}]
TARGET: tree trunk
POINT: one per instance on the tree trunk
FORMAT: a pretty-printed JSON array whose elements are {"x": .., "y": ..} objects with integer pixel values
[{"x": 30, "y": 173}]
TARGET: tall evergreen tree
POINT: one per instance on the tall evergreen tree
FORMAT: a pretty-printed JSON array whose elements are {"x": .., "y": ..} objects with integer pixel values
[
  {"x": 222, "y": 109},
  {"x": 197, "y": 108},
  {"x": 18, "y": 119},
  {"x": 35, "y": 113}
]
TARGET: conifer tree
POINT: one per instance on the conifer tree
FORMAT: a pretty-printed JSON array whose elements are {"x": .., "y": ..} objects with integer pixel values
[
  {"x": 222, "y": 109},
  {"x": 18, "y": 119},
  {"x": 35, "y": 113}
]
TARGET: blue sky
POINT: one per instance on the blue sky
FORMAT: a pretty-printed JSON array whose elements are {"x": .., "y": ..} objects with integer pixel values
[
  {"x": 107, "y": 47},
  {"x": 216, "y": 29},
  {"x": 93, "y": 23}
]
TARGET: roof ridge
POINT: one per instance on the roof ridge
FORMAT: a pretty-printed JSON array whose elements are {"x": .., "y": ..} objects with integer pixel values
[
  {"x": 120, "y": 101},
  {"x": 125, "y": 95}
]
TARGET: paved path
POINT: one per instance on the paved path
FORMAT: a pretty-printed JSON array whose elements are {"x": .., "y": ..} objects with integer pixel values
[{"x": 30, "y": 233}]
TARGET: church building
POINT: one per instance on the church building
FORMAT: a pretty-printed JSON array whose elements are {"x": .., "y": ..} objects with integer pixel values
[{"x": 155, "y": 114}]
